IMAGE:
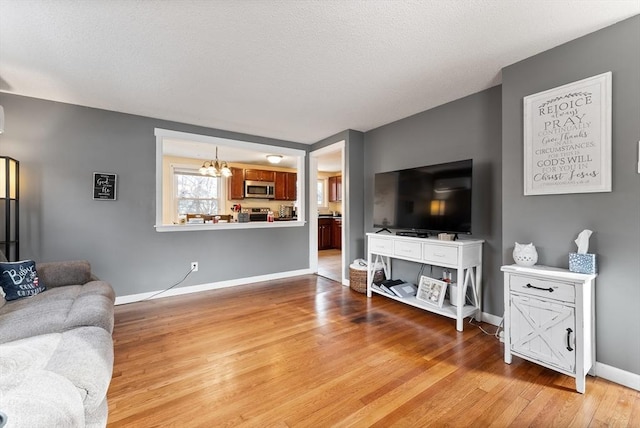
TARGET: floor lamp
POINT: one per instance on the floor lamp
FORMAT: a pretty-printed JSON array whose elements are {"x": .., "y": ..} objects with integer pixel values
[{"x": 9, "y": 197}]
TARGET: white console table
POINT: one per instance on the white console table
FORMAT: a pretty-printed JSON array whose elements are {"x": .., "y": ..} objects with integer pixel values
[
  {"x": 464, "y": 256},
  {"x": 549, "y": 319}
]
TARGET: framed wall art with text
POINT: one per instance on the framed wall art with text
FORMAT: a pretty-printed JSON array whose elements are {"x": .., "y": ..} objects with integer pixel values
[
  {"x": 104, "y": 186},
  {"x": 567, "y": 138}
]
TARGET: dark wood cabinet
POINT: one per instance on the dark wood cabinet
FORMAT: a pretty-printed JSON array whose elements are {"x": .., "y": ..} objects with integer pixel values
[
  {"x": 286, "y": 186},
  {"x": 335, "y": 189},
  {"x": 329, "y": 233},
  {"x": 292, "y": 186},
  {"x": 285, "y": 183},
  {"x": 325, "y": 226},
  {"x": 236, "y": 184},
  {"x": 281, "y": 186},
  {"x": 259, "y": 175},
  {"x": 336, "y": 234}
]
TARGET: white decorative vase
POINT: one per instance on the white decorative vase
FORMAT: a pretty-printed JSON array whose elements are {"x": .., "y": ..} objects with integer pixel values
[{"x": 525, "y": 254}]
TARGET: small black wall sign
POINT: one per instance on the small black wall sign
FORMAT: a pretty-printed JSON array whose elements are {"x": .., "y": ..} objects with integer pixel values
[{"x": 104, "y": 186}]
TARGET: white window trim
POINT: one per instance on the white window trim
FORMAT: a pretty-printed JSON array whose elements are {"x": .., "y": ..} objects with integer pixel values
[
  {"x": 325, "y": 193},
  {"x": 191, "y": 169}
]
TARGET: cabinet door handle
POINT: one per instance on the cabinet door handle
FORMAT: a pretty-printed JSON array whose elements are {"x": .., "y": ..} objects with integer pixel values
[
  {"x": 550, "y": 290},
  {"x": 569, "y": 348}
]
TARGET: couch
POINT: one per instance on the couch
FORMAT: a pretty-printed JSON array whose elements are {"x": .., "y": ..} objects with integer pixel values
[{"x": 56, "y": 350}]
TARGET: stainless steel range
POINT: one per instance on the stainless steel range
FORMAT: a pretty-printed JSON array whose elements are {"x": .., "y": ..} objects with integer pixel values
[{"x": 256, "y": 214}]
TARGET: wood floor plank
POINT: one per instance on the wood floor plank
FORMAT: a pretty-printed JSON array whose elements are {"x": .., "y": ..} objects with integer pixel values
[
  {"x": 634, "y": 418},
  {"x": 330, "y": 264},
  {"x": 308, "y": 352},
  {"x": 615, "y": 408},
  {"x": 430, "y": 402}
]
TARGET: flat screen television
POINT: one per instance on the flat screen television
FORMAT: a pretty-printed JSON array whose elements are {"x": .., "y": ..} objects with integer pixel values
[{"x": 427, "y": 199}]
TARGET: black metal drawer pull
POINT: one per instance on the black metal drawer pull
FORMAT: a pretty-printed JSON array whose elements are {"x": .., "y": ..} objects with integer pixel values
[
  {"x": 550, "y": 290},
  {"x": 569, "y": 348}
]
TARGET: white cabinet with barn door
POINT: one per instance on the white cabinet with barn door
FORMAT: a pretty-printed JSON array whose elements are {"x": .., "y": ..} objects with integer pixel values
[{"x": 549, "y": 319}]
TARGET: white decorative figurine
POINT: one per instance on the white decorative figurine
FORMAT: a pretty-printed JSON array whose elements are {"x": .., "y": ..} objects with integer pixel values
[
  {"x": 525, "y": 254},
  {"x": 583, "y": 262}
]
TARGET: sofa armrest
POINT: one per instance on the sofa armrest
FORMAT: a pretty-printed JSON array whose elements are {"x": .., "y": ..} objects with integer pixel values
[{"x": 56, "y": 274}]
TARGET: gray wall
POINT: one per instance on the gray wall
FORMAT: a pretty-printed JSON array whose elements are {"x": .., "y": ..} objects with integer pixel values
[
  {"x": 553, "y": 221},
  {"x": 59, "y": 146},
  {"x": 353, "y": 191},
  {"x": 468, "y": 128}
]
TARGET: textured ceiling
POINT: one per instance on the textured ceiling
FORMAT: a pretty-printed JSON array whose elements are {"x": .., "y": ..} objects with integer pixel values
[{"x": 293, "y": 70}]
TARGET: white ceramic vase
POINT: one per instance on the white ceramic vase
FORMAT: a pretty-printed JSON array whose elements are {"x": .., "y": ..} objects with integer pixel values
[{"x": 525, "y": 254}]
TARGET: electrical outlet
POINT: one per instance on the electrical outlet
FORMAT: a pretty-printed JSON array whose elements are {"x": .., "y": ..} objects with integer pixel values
[{"x": 194, "y": 266}]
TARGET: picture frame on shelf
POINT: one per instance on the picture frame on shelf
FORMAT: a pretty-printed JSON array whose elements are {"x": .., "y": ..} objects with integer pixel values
[{"x": 431, "y": 291}]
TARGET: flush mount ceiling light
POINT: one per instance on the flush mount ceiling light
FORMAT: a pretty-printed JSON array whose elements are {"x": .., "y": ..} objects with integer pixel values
[
  {"x": 274, "y": 158},
  {"x": 215, "y": 168}
]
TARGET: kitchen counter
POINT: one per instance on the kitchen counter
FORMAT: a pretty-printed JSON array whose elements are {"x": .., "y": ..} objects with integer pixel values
[
  {"x": 228, "y": 226},
  {"x": 286, "y": 219}
]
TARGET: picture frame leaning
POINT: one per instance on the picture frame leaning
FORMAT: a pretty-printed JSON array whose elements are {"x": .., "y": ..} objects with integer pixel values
[
  {"x": 431, "y": 291},
  {"x": 567, "y": 138}
]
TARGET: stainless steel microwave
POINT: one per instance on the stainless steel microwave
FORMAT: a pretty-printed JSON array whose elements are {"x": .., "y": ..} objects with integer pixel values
[{"x": 259, "y": 189}]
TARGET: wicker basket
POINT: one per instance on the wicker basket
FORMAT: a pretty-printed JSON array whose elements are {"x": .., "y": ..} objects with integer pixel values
[{"x": 358, "y": 280}]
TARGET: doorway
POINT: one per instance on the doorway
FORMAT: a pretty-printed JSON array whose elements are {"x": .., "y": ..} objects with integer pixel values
[
  {"x": 330, "y": 264},
  {"x": 327, "y": 212}
]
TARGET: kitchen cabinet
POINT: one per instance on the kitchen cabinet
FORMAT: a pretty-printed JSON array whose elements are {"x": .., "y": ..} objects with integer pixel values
[
  {"x": 281, "y": 186},
  {"x": 259, "y": 175},
  {"x": 235, "y": 184},
  {"x": 292, "y": 186},
  {"x": 286, "y": 186},
  {"x": 550, "y": 319},
  {"x": 335, "y": 189},
  {"x": 336, "y": 234},
  {"x": 325, "y": 226}
]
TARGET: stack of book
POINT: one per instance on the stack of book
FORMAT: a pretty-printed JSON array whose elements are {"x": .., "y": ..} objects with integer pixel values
[{"x": 398, "y": 288}]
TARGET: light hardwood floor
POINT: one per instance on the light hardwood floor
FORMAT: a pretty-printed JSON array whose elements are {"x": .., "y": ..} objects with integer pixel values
[
  {"x": 330, "y": 264},
  {"x": 307, "y": 352}
]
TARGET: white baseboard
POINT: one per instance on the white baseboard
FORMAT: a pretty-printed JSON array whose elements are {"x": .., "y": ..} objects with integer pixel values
[
  {"x": 613, "y": 374},
  {"x": 491, "y": 319},
  {"x": 121, "y": 300}
]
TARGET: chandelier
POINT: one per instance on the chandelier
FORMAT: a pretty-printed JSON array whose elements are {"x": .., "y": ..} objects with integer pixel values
[{"x": 215, "y": 168}]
